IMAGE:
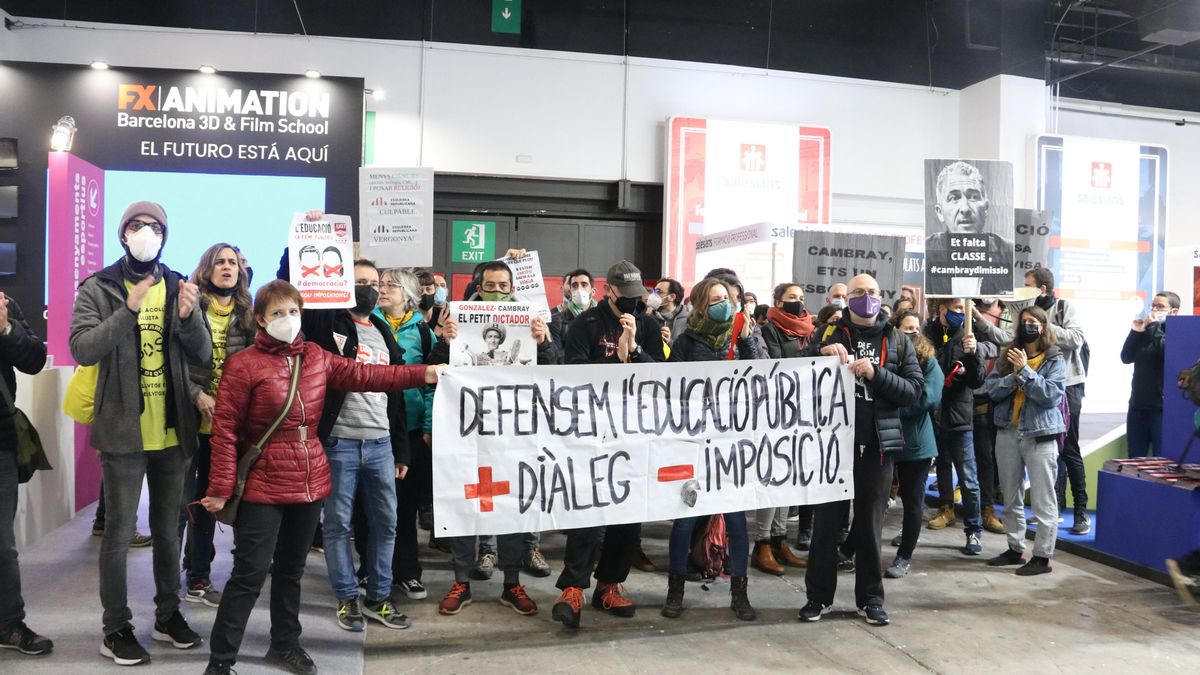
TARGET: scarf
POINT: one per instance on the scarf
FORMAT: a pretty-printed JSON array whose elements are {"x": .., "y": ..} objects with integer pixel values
[
  {"x": 800, "y": 327},
  {"x": 1035, "y": 364},
  {"x": 135, "y": 270},
  {"x": 714, "y": 334},
  {"x": 574, "y": 309},
  {"x": 396, "y": 322}
]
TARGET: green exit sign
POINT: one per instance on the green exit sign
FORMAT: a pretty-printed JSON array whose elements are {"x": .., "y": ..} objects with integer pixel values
[
  {"x": 472, "y": 241},
  {"x": 506, "y": 16}
]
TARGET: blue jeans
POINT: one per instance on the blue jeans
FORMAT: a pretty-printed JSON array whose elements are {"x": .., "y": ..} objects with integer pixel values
[
  {"x": 959, "y": 446},
  {"x": 351, "y": 462},
  {"x": 1143, "y": 428},
  {"x": 736, "y": 535}
]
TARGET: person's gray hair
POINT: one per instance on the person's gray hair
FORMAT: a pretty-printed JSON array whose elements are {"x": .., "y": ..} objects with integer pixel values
[
  {"x": 959, "y": 168},
  {"x": 408, "y": 284}
]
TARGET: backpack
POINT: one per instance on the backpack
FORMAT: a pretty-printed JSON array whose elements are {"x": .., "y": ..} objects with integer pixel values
[
  {"x": 710, "y": 550},
  {"x": 1189, "y": 382}
]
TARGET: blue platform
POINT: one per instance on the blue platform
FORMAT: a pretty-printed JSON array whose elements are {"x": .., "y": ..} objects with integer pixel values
[{"x": 1146, "y": 522}]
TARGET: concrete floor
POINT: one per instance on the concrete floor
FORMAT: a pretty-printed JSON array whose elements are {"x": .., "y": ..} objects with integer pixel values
[{"x": 952, "y": 614}]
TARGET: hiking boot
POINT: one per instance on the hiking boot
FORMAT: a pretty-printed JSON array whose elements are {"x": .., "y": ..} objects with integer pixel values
[
  {"x": 763, "y": 558},
  {"x": 515, "y": 598},
  {"x": 1036, "y": 565},
  {"x": 673, "y": 607},
  {"x": 898, "y": 568},
  {"x": 803, "y": 540},
  {"x": 972, "y": 546},
  {"x": 874, "y": 615},
  {"x": 1009, "y": 557},
  {"x": 385, "y": 613},
  {"x": 813, "y": 611},
  {"x": 124, "y": 649},
  {"x": 739, "y": 601},
  {"x": 568, "y": 607},
  {"x": 642, "y": 562},
  {"x": 176, "y": 631},
  {"x": 26, "y": 641},
  {"x": 943, "y": 519},
  {"x": 990, "y": 522},
  {"x": 535, "y": 563},
  {"x": 295, "y": 660},
  {"x": 204, "y": 593},
  {"x": 485, "y": 565},
  {"x": 349, "y": 615},
  {"x": 414, "y": 589},
  {"x": 784, "y": 554},
  {"x": 139, "y": 540},
  {"x": 1082, "y": 524},
  {"x": 611, "y": 598},
  {"x": 458, "y": 597}
]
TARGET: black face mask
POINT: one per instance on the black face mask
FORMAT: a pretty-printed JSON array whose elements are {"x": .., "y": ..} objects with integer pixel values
[
  {"x": 1028, "y": 333},
  {"x": 224, "y": 292},
  {"x": 427, "y": 302},
  {"x": 795, "y": 307},
  {"x": 633, "y": 306},
  {"x": 365, "y": 299},
  {"x": 1045, "y": 301}
]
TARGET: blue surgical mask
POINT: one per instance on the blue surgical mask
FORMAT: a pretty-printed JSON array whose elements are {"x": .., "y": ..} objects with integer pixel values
[
  {"x": 440, "y": 295},
  {"x": 722, "y": 312},
  {"x": 955, "y": 319}
]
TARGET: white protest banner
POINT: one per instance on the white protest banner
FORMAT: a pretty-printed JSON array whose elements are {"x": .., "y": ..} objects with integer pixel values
[
  {"x": 1033, "y": 239},
  {"x": 738, "y": 236},
  {"x": 322, "y": 265},
  {"x": 561, "y": 447},
  {"x": 822, "y": 259},
  {"x": 395, "y": 222},
  {"x": 528, "y": 285},
  {"x": 492, "y": 334},
  {"x": 968, "y": 228}
]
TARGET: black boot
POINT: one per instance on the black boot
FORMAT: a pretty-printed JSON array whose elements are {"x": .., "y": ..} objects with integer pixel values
[
  {"x": 673, "y": 607},
  {"x": 739, "y": 602}
]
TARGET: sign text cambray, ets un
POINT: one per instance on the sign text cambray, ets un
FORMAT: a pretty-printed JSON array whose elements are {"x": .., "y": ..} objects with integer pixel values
[{"x": 561, "y": 447}]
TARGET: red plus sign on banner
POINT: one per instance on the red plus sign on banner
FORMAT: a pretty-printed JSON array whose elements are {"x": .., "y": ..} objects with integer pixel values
[{"x": 485, "y": 489}]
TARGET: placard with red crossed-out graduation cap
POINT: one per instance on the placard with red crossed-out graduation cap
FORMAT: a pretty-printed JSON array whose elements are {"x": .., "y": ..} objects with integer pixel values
[{"x": 322, "y": 260}]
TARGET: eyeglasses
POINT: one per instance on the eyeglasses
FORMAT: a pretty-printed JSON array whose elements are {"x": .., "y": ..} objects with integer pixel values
[
  {"x": 391, "y": 285},
  {"x": 860, "y": 292},
  {"x": 372, "y": 284},
  {"x": 137, "y": 225},
  {"x": 1160, "y": 308}
]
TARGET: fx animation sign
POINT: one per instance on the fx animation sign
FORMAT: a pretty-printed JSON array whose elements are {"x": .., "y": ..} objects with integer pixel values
[{"x": 561, "y": 447}]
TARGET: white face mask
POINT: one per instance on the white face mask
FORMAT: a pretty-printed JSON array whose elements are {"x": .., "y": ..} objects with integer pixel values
[
  {"x": 582, "y": 298},
  {"x": 839, "y": 303},
  {"x": 285, "y": 328},
  {"x": 1158, "y": 316},
  {"x": 144, "y": 244},
  {"x": 654, "y": 301}
]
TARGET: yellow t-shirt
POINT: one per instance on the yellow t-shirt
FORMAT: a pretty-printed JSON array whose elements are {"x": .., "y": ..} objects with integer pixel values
[
  {"x": 1035, "y": 362},
  {"x": 218, "y": 320},
  {"x": 151, "y": 322}
]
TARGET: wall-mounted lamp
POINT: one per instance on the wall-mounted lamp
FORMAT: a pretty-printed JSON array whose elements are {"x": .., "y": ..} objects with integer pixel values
[{"x": 63, "y": 134}]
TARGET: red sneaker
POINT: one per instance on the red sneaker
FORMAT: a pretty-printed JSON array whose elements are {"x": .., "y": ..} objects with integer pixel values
[
  {"x": 516, "y": 598},
  {"x": 610, "y": 598},
  {"x": 568, "y": 607},
  {"x": 458, "y": 597}
]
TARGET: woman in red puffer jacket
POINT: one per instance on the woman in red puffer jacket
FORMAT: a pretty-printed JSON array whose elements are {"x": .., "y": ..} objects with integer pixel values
[{"x": 281, "y": 504}]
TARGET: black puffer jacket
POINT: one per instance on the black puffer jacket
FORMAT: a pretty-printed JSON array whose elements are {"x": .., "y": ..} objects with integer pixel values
[
  {"x": 692, "y": 347},
  {"x": 898, "y": 381},
  {"x": 957, "y": 411}
]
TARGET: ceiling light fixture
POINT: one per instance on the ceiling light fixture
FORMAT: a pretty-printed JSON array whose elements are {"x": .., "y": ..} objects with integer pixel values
[
  {"x": 310, "y": 73},
  {"x": 207, "y": 70},
  {"x": 99, "y": 65}
]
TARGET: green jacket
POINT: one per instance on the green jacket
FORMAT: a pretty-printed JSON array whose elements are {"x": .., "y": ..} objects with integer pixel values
[{"x": 919, "y": 442}]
